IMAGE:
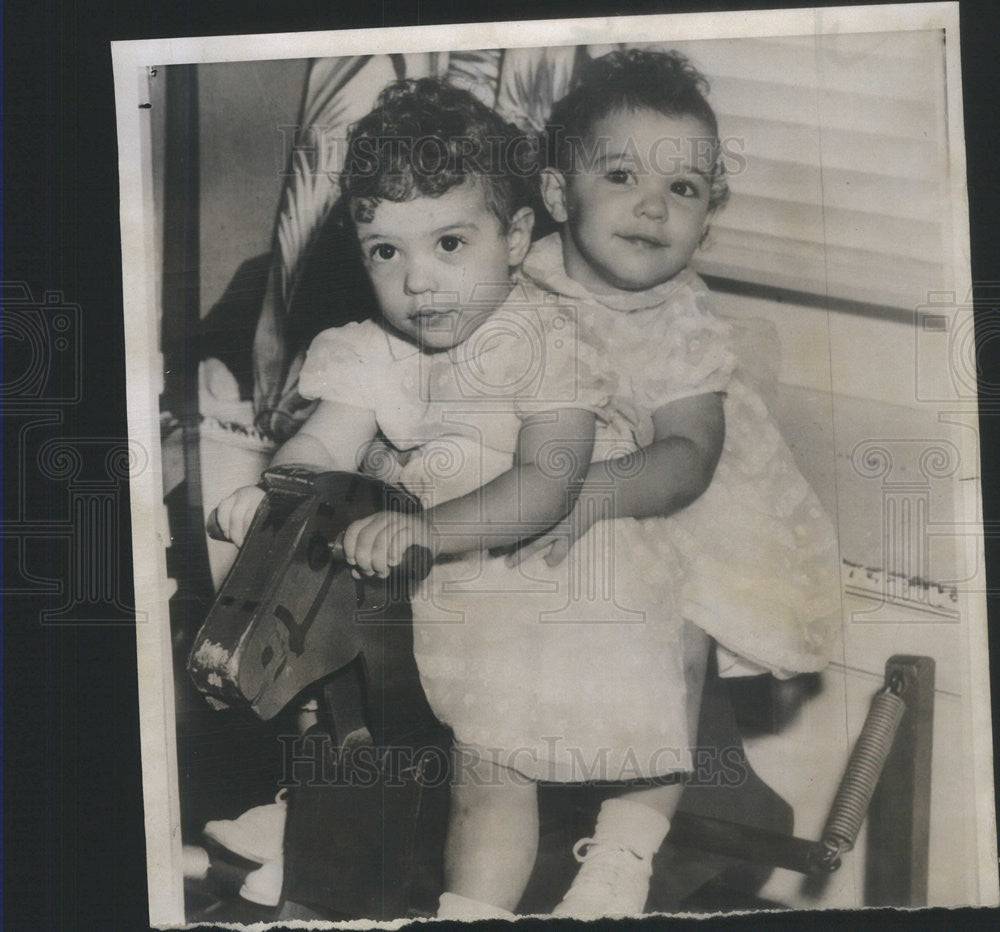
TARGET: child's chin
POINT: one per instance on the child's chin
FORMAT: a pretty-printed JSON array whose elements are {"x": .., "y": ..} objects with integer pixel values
[
  {"x": 640, "y": 282},
  {"x": 438, "y": 340},
  {"x": 632, "y": 276},
  {"x": 435, "y": 346}
]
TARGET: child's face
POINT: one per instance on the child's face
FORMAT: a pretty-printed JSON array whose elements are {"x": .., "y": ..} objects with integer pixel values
[
  {"x": 634, "y": 216},
  {"x": 440, "y": 266}
]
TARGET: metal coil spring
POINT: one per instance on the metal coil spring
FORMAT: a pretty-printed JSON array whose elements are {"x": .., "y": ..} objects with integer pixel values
[{"x": 850, "y": 805}]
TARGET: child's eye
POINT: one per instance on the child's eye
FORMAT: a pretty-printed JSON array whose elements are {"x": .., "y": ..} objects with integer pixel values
[
  {"x": 450, "y": 243},
  {"x": 619, "y": 176},
  {"x": 382, "y": 252},
  {"x": 685, "y": 189}
]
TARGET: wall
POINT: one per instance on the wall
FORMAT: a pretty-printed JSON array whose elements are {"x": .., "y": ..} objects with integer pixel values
[
  {"x": 243, "y": 109},
  {"x": 880, "y": 403}
]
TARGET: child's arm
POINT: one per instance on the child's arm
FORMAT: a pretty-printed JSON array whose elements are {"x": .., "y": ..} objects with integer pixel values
[
  {"x": 334, "y": 437},
  {"x": 553, "y": 455},
  {"x": 675, "y": 468},
  {"x": 673, "y": 471}
]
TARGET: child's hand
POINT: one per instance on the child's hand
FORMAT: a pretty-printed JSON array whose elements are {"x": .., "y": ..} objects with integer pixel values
[
  {"x": 376, "y": 544},
  {"x": 234, "y": 514},
  {"x": 558, "y": 540}
]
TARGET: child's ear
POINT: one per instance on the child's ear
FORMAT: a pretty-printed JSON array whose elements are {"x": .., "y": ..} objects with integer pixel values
[
  {"x": 554, "y": 194},
  {"x": 519, "y": 236},
  {"x": 706, "y": 230}
]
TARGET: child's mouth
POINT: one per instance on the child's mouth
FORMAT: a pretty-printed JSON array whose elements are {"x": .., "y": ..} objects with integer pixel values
[
  {"x": 437, "y": 320},
  {"x": 431, "y": 315},
  {"x": 642, "y": 242}
]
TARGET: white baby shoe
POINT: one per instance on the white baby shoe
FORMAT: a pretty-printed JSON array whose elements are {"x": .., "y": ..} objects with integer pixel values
[
  {"x": 194, "y": 862},
  {"x": 257, "y": 835},
  {"x": 616, "y": 863},
  {"x": 263, "y": 886}
]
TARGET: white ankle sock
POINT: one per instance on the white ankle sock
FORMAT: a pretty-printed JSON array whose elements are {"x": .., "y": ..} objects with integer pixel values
[
  {"x": 635, "y": 825},
  {"x": 453, "y": 906},
  {"x": 616, "y": 863}
]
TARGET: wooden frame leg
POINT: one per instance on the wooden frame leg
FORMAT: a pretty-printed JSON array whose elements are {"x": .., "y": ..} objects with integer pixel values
[{"x": 899, "y": 814}]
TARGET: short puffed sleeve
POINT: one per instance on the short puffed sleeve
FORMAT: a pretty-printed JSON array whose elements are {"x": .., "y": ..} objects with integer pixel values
[
  {"x": 346, "y": 364},
  {"x": 555, "y": 363},
  {"x": 686, "y": 350}
]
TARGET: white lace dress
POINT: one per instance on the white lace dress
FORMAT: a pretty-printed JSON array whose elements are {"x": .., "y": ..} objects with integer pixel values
[
  {"x": 759, "y": 559},
  {"x": 546, "y": 669}
]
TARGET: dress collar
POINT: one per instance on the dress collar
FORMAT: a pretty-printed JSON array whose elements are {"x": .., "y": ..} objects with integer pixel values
[{"x": 544, "y": 267}]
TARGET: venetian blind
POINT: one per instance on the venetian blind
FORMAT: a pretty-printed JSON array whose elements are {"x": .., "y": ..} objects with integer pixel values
[{"x": 840, "y": 185}]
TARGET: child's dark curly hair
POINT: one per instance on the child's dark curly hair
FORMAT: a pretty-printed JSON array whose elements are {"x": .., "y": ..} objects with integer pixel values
[
  {"x": 425, "y": 137},
  {"x": 665, "y": 82}
]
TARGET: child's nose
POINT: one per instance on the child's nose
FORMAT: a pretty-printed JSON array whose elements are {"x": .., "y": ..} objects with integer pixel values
[
  {"x": 419, "y": 280},
  {"x": 652, "y": 205}
]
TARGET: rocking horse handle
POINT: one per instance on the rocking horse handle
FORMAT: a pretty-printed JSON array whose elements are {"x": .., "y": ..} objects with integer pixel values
[{"x": 415, "y": 565}]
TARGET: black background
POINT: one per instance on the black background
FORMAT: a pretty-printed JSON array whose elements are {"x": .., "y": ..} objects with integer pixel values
[{"x": 74, "y": 852}]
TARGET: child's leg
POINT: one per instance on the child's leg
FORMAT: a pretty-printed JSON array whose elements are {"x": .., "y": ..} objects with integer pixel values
[
  {"x": 664, "y": 799},
  {"x": 618, "y": 861},
  {"x": 492, "y": 837}
]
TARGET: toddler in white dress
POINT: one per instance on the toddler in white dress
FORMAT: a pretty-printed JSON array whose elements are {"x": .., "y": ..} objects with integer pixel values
[{"x": 634, "y": 174}]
